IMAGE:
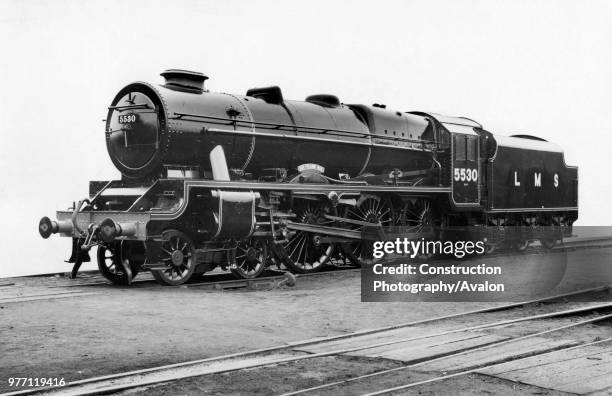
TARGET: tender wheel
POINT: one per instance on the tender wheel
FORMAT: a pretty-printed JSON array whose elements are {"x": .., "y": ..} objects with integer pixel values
[
  {"x": 251, "y": 258},
  {"x": 521, "y": 246},
  {"x": 305, "y": 251},
  {"x": 112, "y": 260},
  {"x": 496, "y": 238},
  {"x": 548, "y": 243},
  {"x": 490, "y": 248},
  {"x": 178, "y": 253}
]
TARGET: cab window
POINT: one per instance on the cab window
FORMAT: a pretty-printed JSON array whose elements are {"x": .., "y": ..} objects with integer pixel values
[
  {"x": 466, "y": 147},
  {"x": 471, "y": 143},
  {"x": 460, "y": 147}
]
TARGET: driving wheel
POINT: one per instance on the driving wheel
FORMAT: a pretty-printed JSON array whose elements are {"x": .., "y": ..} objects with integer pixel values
[{"x": 305, "y": 251}]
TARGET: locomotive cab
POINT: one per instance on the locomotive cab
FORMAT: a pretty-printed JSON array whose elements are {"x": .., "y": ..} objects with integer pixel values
[
  {"x": 459, "y": 144},
  {"x": 466, "y": 166}
]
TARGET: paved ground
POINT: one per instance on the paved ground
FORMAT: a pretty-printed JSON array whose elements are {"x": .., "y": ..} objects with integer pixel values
[{"x": 122, "y": 329}]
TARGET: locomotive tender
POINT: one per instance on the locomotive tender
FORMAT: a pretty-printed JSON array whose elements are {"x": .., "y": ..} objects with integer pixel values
[{"x": 243, "y": 181}]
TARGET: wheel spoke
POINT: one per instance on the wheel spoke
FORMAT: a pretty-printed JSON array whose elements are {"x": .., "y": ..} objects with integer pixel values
[
  {"x": 306, "y": 251},
  {"x": 295, "y": 237},
  {"x": 385, "y": 212},
  {"x": 298, "y": 244},
  {"x": 299, "y": 256},
  {"x": 414, "y": 215},
  {"x": 302, "y": 254},
  {"x": 355, "y": 215},
  {"x": 364, "y": 214}
]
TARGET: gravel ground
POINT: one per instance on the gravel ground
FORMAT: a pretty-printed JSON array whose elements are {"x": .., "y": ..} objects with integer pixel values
[
  {"x": 283, "y": 378},
  {"x": 123, "y": 329}
]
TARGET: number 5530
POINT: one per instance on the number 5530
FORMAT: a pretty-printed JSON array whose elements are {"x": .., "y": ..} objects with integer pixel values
[{"x": 466, "y": 174}]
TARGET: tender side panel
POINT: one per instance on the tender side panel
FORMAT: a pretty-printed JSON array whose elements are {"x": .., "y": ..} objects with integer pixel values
[{"x": 531, "y": 179}]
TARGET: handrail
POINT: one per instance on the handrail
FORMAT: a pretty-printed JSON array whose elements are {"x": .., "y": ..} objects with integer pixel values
[
  {"x": 75, "y": 213},
  {"x": 307, "y": 129},
  {"x": 130, "y": 107},
  {"x": 141, "y": 198}
]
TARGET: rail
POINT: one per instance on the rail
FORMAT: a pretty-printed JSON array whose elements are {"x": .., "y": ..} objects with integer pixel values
[{"x": 286, "y": 354}]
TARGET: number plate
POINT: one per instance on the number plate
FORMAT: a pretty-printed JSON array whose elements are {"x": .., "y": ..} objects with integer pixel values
[{"x": 128, "y": 118}]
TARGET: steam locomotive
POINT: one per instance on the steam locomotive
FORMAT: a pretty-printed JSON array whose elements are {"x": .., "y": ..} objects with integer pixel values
[{"x": 243, "y": 182}]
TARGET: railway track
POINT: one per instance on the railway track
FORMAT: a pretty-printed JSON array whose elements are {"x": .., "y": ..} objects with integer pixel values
[
  {"x": 409, "y": 385},
  {"x": 357, "y": 341},
  {"x": 222, "y": 283},
  {"x": 225, "y": 281},
  {"x": 44, "y": 296},
  {"x": 476, "y": 366}
]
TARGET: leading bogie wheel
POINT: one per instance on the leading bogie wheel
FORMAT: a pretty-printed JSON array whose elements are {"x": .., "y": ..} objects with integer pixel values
[
  {"x": 251, "y": 258},
  {"x": 178, "y": 253},
  {"x": 116, "y": 258}
]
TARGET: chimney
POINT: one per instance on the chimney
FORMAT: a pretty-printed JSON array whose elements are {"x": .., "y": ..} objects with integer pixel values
[{"x": 184, "y": 80}]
